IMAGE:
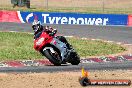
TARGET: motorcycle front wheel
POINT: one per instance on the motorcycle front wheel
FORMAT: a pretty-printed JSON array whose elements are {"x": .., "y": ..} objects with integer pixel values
[
  {"x": 74, "y": 58},
  {"x": 53, "y": 57}
]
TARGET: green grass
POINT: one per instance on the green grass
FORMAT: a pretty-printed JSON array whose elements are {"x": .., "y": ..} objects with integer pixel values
[
  {"x": 19, "y": 46},
  {"x": 95, "y": 48},
  {"x": 15, "y": 46}
]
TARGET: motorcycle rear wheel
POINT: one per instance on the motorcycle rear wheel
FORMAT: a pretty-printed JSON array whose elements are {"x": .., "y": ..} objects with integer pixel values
[{"x": 55, "y": 59}]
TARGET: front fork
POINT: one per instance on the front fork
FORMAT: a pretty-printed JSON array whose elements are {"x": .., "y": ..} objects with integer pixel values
[
  {"x": 54, "y": 53},
  {"x": 50, "y": 48}
]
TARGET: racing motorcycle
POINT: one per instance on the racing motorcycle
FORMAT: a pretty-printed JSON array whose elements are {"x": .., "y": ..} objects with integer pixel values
[{"x": 54, "y": 50}]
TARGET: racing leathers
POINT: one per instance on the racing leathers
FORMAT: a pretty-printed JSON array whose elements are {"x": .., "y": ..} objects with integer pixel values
[{"x": 38, "y": 28}]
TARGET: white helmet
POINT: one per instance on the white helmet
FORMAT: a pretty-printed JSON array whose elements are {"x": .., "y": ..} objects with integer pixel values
[
  {"x": 36, "y": 22},
  {"x": 36, "y": 25}
]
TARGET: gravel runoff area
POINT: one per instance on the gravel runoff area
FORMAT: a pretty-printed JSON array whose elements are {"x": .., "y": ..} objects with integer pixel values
[{"x": 59, "y": 79}]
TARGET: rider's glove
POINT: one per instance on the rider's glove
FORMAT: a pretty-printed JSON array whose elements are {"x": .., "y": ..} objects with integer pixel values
[{"x": 53, "y": 32}]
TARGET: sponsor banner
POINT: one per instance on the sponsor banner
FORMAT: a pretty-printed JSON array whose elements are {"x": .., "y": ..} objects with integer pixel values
[
  {"x": 129, "y": 20},
  {"x": 74, "y": 18},
  {"x": 9, "y": 16}
]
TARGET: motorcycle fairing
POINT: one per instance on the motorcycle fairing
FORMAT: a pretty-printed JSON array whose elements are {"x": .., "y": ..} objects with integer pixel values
[{"x": 61, "y": 46}]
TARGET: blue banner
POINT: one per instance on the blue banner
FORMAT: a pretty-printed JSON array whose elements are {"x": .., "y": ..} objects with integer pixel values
[{"x": 74, "y": 18}]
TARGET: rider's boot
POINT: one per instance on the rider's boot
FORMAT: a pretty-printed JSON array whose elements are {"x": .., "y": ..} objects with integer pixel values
[{"x": 69, "y": 46}]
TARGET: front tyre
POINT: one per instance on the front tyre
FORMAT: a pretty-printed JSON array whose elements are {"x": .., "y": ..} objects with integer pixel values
[
  {"x": 74, "y": 58},
  {"x": 53, "y": 57}
]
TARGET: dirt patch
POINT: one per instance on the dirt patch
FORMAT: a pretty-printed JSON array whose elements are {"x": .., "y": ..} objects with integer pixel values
[
  {"x": 58, "y": 79},
  {"x": 127, "y": 52},
  {"x": 77, "y": 3}
]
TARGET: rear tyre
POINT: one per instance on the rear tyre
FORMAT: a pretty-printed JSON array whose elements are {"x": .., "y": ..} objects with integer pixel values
[{"x": 55, "y": 59}]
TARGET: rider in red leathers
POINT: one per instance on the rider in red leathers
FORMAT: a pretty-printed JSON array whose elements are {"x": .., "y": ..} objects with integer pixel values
[{"x": 38, "y": 28}]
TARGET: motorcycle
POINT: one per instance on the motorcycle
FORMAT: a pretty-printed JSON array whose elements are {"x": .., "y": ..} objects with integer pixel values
[{"x": 55, "y": 50}]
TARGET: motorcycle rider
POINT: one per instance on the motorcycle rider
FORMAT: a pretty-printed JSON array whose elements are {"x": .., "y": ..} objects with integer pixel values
[{"x": 38, "y": 28}]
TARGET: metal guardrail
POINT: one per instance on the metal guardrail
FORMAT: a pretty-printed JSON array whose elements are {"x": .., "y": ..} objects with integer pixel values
[{"x": 95, "y": 6}]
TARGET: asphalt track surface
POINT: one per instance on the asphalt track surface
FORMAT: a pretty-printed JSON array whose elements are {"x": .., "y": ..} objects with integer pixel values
[{"x": 111, "y": 33}]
